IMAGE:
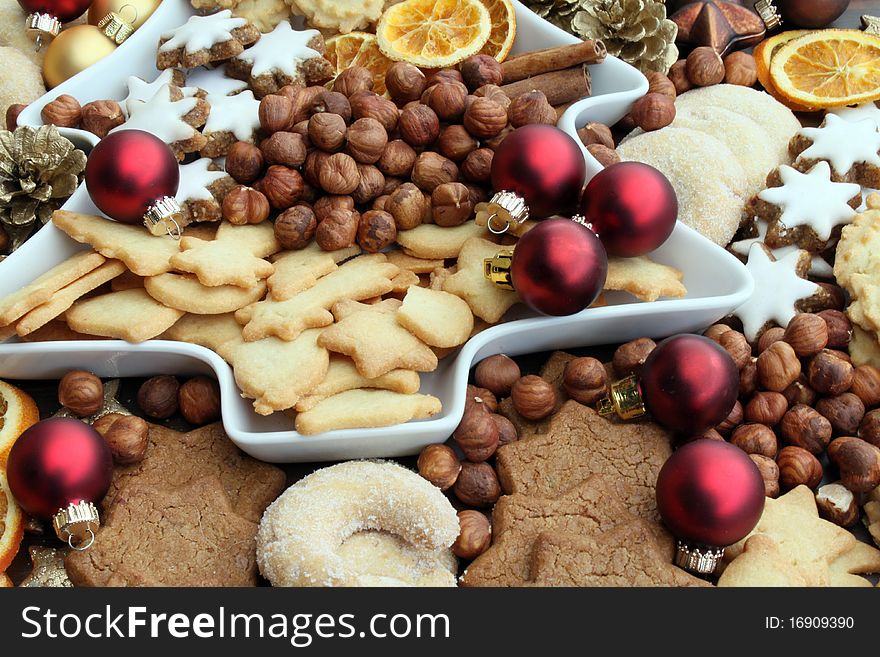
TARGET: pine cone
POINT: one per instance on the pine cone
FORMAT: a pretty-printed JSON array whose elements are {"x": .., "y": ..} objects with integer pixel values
[
  {"x": 557, "y": 12},
  {"x": 39, "y": 170}
]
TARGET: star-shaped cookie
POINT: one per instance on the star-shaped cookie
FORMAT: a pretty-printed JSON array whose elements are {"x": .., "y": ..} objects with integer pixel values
[
  {"x": 205, "y": 39},
  {"x": 140, "y": 91},
  {"x": 819, "y": 267},
  {"x": 487, "y": 301},
  {"x": 201, "y": 190},
  {"x": 299, "y": 270},
  {"x": 232, "y": 118},
  {"x": 859, "y": 113},
  {"x": 852, "y": 149}
]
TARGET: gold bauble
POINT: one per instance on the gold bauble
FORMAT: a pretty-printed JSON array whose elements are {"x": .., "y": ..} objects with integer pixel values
[
  {"x": 134, "y": 12},
  {"x": 72, "y": 51}
]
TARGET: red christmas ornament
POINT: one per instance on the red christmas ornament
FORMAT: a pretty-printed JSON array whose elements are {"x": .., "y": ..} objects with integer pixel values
[
  {"x": 537, "y": 171},
  {"x": 59, "y": 468},
  {"x": 811, "y": 14},
  {"x": 46, "y": 16},
  {"x": 132, "y": 176},
  {"x": 632, "y": 207},
  {"x": 710, "y": 494}
]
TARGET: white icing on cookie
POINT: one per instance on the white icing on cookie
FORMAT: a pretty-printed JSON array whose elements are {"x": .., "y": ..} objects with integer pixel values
[
  {"x": 819, "y": 267},
  {"x": 777, "y": 288},
  {"x": 237, "y": 114},
  {"x": 842, "y": 143},
  {"x": 202, "y": 32},
  {"x": 162, "y": 116},
  {"x": 283, "y": 49},
  {"x": 214, "y": 82},
  {"x": 858, "y": 113},
  {"x": 140, "y": 91},
  {"x": 195, "y": 178},
  {"x": 812, "y": 199}
]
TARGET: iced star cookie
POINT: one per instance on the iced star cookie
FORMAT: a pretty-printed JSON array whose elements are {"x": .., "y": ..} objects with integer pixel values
[
  {"x": 140, "y": 91},
  {"x": 852, "y": 150},
  {"x": 205, "y": 39},
  {"x": 805, "y": 209},
  {"x": 212, "y": 81},
  {"x": 819, "y": 267},
  {"x": 232, "y": 118},
  {"x": 201, "y": 191},
  {"x": 281, "y": 57},
  {"x": 859, "y": 113}
]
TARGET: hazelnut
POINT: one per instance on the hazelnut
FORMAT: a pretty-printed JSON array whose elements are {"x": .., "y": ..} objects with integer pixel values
[
  {"x": 704, "y": 67},
  {"x": 81, "y": 393},
  {"x": 391, "y": 183},
  {"x": 869, "y": 429},
  {"x": 629, "y": 357},
  {"x": 327, "y": 131},
  {"x": 805, "y": 427},
  {"x": 331, "y": 102},
  {"x": 379, "y": 202},
  {"x": 738, "y": 347},
  {"x": 337, "y": 230},
  {"x": 493, "y": 92},
  {"x": 506, "y": 431},
  {"x": 419, "y": 125},
  {"x": 858, "y": 462},
  {"x": 733, "y": 419},
  {"x": 451, "y": 204},
  {"x": 769, "y": 473},
  {"x": 497, "y": 374},
  {"x": 596, "y": 133},
  {"x": 715, "y": 331},
  {"x": 12, "y": 113},
  {"x": 244, "y": 162},
  {"x": 330, "y": 202},
  {"x": 353, "y": 79},
  {"x": 479, "y": 398},
  {"x": 800, "y": 392},
  {"x": 477, "y": 485},
  {"x": 100, "y": 116},
  {"x": 407, "y": 205},
  {"x": 807, "y": 334},
  {"x": 102, "y": 424},
  {"x": 281, "y": 185},
  {"x": 478, "y": 193},
  {"x": 653, "y": 111},
  {"x": 828, "y": 374},
  {"x": 456, "y": 143},
  {"x": 585, "y": 380},
  {"x": 339, "y": 174},
  {"x": 478, "y": 70},
  {"x": 276, "y": 113},
  {"x": 748, "y": 379},
  {"x": 244, "y": 205},
  {"x": 797, "y": 467},
  {"x": 533, "y": 397},
  {"x": 842, "y": 355},
  {"x": 778, "y": 366},
  {"x": 477, "y": 435},
  {"x": 494, "y": 142},
  {"x": 376, "y": 230},
  {"x": 845, "y": 413},
  {"x": 287, "y": 148},
  {"x": 474, "y": 534},
  {"x": 301, "y": 128},
  {"x": 603, "y": 155},
  {"x": 397, "y": 159},
  {"x": 302, "y": 101},
  {"x": 367, "y": 104},
  {"x": 835, "y": 297},
  {"x": 157, "y": 396},
  {"x": 295, "y": 227},
  {"x": 767, "y": 408},
  {"x": 370, "y": 185},
  {"x": 837, "y": 504},
  {"x": 755, "y": 439},
  {"x": 708, "y": 434},
  {"x": 740, "y": 68},
  {"x": 678, "y": 77},
  {"x": 477, "y": 166},
  {"x": 839, "y": 328},
  {"x": 485, "y": 118},
  {"x": 64, "y": 112},
  {"x": 447, "y": 99},
  {"x": 445, "y": 75},
  {"x": 366, "y": 140},
  {"x": 770, "y": 336},
  {"x": 866, "y": 384},
  {"x": 127, "y": 439},
  {"x": 405, "y": 82},
  {"x": 432, "y": 169},
  {"x": 439, "y": 465},
  {"x": 660, "y": 84},
  {"x": 531, "y": 107}
]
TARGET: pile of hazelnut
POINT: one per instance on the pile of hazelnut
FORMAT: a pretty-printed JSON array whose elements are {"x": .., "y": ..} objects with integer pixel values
[
  {"x": 98, "y": 117},
  {"x": 351, "y": 166}
]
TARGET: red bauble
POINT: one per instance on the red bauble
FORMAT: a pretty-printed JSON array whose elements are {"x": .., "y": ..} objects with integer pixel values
[
  {"x": 711, "y": 493},
  {"x": 689, "y": 383},
  {"x": 810, "y": 14},
  {"x": 64, "y": 10},
  {"x": 544, "y": 166},
  {"x": 58, "y": 462},
  {"x": 128, "y": 171},
  {"x": 559, "y": 267},
  {"x": 632, "y": 207}
]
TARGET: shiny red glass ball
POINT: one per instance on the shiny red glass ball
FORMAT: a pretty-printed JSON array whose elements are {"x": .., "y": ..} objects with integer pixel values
[{"x": 63, "y": 10}]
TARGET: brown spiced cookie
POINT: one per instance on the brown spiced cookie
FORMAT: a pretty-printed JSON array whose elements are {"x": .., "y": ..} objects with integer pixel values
[
  {"x": 852, "y": 150},
  {"x": 203, "y": 186},
  {"x": 176, "y": 459},
  {"x": 232, "y": 118},
  {"x": 167, "y": 536},
  {"x": 205, "y": 39}
]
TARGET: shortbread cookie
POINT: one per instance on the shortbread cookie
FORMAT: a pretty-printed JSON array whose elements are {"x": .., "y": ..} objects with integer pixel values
[
  {"x": 413, "y": 264},
  {"x": 339, "y": 15},
  {"x": 439, "y": 319},
  {"x": 281, "y": 57},
  {"x": 438, "y": 276},
  {"x": 211, "y": 331},
  {"x": 362, "y": 409},
  {"x": 389, "y": 557},
  {"x": 56, "y": 330},
  {"x": 342, "y": 375},
  {"x": 299, "y": 270},
  {"x": 205, "y": 40},
  {"x": 264, "y": 14},
  {"x": 404, "y": 280},
  {"x": 232, "y": 119},
  {"x": 142, "y": 253},
  {"x": 486, "y": 300},
  {"x": 819, "y": 267},
  {"x": 433, "y": 242},
  {"x": 140, "y": 91},
  {"x": 186, "y": 293},
  {"x": 864, "y": 347},
  {"x": 203, "y": 186},
  {"x": 131, "y": 315},
  {"x": 848, "y": 568},
  {"x": 859, "y": 246},
  {"x": 126, "y": 281},
  {"x": 643, "y": 278},
  {"x": 871, "y": 518},
  {"x": 203, "y": 231},
  {"x": 762, "y": 564},
  {"x": 67, "y": 296},
  {"x": 852, "y": 150}
]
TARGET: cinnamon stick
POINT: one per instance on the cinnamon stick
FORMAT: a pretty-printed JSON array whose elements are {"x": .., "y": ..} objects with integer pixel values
[
  {"x": 560, "y": 87},
  {"x": 552, "y": 59}
]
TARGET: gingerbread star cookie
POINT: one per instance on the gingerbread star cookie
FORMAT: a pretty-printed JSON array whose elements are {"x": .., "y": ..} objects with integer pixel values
[
  {"x": 486, "y": 300},
  {"x": 204, "y": 40},
  {"x": 819, "y": 267},
  {"x": 852, "y": 150},
  {"x": 858, "y": 113},
  {"x": 140, "y": 91},
  {"x": 212, "y": 81},
  {"x": 232, "y": 119},
  {"x": 201, "y": 191}
]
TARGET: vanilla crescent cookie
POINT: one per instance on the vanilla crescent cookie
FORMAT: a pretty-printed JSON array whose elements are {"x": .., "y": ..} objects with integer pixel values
[
  {"x": 301, "y": 535},
  {"x": 205, "y": 39}
]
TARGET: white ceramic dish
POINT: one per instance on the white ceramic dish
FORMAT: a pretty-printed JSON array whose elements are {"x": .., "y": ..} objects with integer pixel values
[{"x": 615, "y": 85}]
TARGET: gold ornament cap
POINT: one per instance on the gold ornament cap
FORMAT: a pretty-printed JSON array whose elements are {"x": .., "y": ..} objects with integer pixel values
[
  {"x": 160, "y": 218},
  {"x": 42, "y": 27},
  {"x": 769, "y": 14},
  {"x": 505, "y": 210},
  {"x": 115, "y": 27},
  {"x": 497, "y": 269},
  {"x": 76, "y": 525},
  {"x": 625, "y": 400},
  {"x": 698, "y": 559}
]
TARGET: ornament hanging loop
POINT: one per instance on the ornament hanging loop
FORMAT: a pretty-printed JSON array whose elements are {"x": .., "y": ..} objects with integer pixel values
[
  {"x": 625, "y": 400},
  {"x": 505, "y": 210},
  {"x": 160, "y": 218}
]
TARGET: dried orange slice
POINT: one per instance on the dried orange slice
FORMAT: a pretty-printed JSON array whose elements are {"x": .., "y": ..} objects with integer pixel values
[
  {"x": 18, "y": 411},
  {"x": 765, "y": 50},
  {"x": 11, "y": 525},
  {"x": 828, "y": 68},
  {"x": 434, "y": 33},
  {"x": 503, "y": 17},
  {"x": 358, "y": 49}
]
